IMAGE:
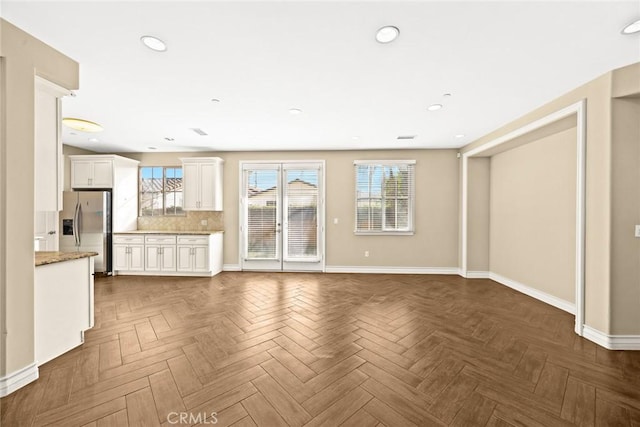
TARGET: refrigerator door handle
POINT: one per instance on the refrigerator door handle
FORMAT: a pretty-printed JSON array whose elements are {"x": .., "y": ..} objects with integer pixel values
[
  {"x": 75, "y": 224},
  {"x": 79, "y": 224}
]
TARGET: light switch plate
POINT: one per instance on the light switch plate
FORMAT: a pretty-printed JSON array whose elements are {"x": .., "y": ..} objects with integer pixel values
[{"x": 637, "y": 230}]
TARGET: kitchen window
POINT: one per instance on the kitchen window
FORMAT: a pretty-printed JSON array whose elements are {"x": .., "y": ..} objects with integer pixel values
[
  {"x": 160, "y": 191},
  {"x": 384, "y": 196}
]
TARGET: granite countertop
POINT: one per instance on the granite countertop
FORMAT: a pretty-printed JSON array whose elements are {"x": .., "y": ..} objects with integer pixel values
[
  {"x": 44, "y": 258},
  {"x": 191, "y": 232}
]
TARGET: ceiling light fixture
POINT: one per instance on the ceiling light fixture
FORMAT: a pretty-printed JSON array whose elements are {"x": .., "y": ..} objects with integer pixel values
[
  {"x": 154, "y": 43},
  {"x": 215, "y": 100},
  {"x": 169, "y": 139},
  {"x": 93, "y": 140},
  {"x": 355, "y": 138},
  {"x": 295, "y": 111},
  {"x": 387, "y": 34},
  {"x": 632, "y": 28},
  {"x": 82, "y": 125},
  {"x": 434, "y": 107},
  {"x": 460, "y": 135},
  {"x": 153, "y": 148}
]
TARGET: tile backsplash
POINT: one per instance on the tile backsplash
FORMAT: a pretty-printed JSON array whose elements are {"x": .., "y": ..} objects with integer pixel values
[{"x": 191, "y": 222}]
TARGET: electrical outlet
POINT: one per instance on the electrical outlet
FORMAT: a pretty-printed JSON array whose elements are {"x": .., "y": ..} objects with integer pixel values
[
  {"x": 204, "y": 222},
  {"x": 366, "y": 253},
  {"x": 637, "y": 230}
]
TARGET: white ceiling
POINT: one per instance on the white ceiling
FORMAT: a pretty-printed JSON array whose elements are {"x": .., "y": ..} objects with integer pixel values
[{"x": 499, "y": 60}]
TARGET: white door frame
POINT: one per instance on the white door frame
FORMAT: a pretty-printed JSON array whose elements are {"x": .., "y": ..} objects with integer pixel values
[
  {"x": 580, "y": 110},
  {"x": 321, "y": 209}
]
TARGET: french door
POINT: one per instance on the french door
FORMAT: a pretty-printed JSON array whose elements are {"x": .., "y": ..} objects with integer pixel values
[{"x": 282, "y": 224}]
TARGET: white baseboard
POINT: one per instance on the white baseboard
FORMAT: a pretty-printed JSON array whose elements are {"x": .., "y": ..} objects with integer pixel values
[
  {"x": 567, "y": 306},
  {"x": 477, "y": 275},
  {"x": 231, "y": 267},
  {"x": 18, "y": 379},
  {"x": 390, "y": 270},
  {"x": 611, "y": 342}
]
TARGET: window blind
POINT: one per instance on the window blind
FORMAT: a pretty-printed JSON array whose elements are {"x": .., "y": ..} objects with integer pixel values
[
  {"x": 262, "y": 213},
  {"x": 301, "y": 200},
  {"x": 384, "y": 196}
]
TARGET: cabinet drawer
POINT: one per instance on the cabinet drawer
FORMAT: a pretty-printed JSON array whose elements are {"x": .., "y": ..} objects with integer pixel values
[
  {"x": 128, "y": 238},
  {"x": 164, "y": 240},
  {"x": 193, "y": 240}
]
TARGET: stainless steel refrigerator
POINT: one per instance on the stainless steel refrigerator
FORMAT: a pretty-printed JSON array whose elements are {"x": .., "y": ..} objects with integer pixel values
[{"x": 85, "y": 224}]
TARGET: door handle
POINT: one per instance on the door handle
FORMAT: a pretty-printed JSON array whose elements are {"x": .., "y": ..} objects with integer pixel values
[{"x": 52, "y": 232}]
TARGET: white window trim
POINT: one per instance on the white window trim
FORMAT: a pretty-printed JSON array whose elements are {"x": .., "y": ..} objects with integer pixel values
[{"x": 412, "y": 199}]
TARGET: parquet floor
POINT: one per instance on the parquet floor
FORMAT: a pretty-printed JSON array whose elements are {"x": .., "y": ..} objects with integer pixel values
[{"x": 333, "y": 349}]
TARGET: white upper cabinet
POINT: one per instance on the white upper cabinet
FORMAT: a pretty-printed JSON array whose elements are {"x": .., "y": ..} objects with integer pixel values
[
  {"x": 202, "y": 183},
  {"x": 108, "y": 171},
  {"x": 48, "y": 146},
  {"x": 91, "y": 173}
]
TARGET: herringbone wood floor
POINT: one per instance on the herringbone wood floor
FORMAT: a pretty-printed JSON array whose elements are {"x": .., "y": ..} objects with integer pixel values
[{"x": 328, "y": 349}]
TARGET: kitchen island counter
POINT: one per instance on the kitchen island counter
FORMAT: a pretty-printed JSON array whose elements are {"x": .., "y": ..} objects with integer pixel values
[
  {"x": 63, "y": 297},
  {"x": 52, "y": 257}
]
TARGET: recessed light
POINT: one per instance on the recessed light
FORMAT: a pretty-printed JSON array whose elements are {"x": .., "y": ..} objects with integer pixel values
[
  {"x": 169, "y": 139},
  {"x": 434, "y": 107},
  {"x": 387, "y": 34},
  {"x": 355, "y": 138},
  {"x": 154, "y": 43},
  {"x": 632, "y": 28},
  {"x": 446, "y": 95},
  {"x": 405, "y": 137},
  {"x": 93, "y": 140},
  {"x": 295, "y": 111},
  {"x": 72, "y": 133},
  {"x": 215, "y": 100},
  {"x": 153, "y": 148},
  {"x": 460, "y": 135},
  {"x": 82, "y": 125}
]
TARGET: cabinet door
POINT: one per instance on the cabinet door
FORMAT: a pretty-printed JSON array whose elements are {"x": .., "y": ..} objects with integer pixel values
[
  {"x": 136, "y": 258},
  {"x": 81, "y": 173},
  {"x": 102, "y": 174},
  {"x": 184, "y": 258},
  {"x": 201, "y": 258},
  {"x": 120, "y": 257},
  {"x": 47, "y": 151},
  {"x": 152, "y": 259},
  {"x": 207, "y": 186},
  {"x": 191, "y": 186},
  {"x": 168, "y": 258}
]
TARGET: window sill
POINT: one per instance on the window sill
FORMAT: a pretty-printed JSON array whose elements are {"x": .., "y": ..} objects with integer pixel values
[{"x": 384, "y": 233}]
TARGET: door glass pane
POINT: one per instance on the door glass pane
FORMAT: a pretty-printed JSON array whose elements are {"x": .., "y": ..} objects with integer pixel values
[
  {"x": 262, "y": 214},
  {"x": 302, "y": 214}
]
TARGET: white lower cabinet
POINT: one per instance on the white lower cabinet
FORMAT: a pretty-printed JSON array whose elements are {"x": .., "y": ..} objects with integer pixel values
[
  {"x": 160, "y": 253},
  {"x": 129, "y": 257},
  {"x": 193, "y": 254},
  {"x": 182, "y": 255}
]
